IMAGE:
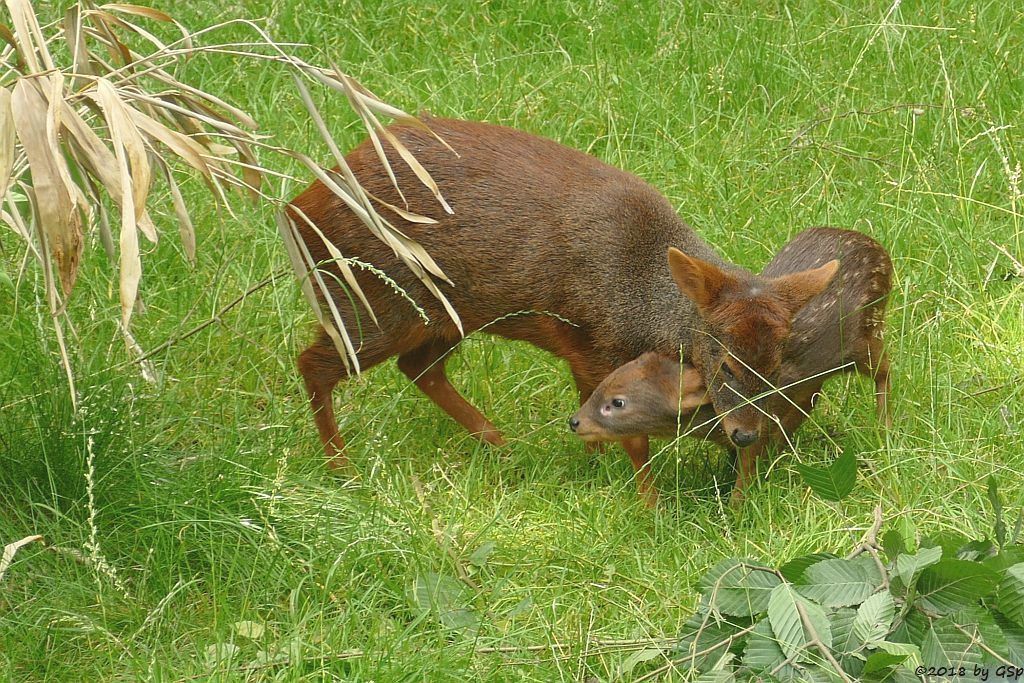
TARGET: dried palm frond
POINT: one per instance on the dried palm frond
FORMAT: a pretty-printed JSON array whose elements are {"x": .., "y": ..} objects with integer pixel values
[{"x": 105, "y": 125}]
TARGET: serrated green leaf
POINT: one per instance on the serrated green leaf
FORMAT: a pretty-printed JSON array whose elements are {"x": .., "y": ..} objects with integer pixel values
[
  {"x": 637, "y": 657},
  {"x": 975, "y": 551},
  {"x": 874, "y": 618},
  {"x": 841, "y": 620},
  {"x": 946, "y": 645},
  {"x": 818, "y": 674},
  {"x": 221, "y": 654},
  {"x": 881, "y": 660},
  {"x": 950, "y": 585},
  {"x": 836, "y": 583},
  {"x": 460, "y": 619},
  {"x": 431, "y": 590},
  {"x": 852, "y": 664},
  {"x": 833, "y": 482},
  {"x": 481, "y": 554},
  {"x": 949, "y": 541},
  {"x": 763, "y": 652},
  {"x": 910, "y": 651},
  {"x": 981, "y": 625},
  {"x": 249, "y": 629},
  {"x": 910, "y": 627},
  {"x": 447, "y": 598},
  {"x": 866, "y": 562},
  {"x": 734, "y": 588},
  {"x": 1014, "y": 636},
  {"x": 1010, "y": 555},
  {"x": 893, "y": 544},
  {"x": 784, "y": 616},
  {"x": 794, "y": 569},
  {"x": 908, "y": 530},
  {"x": 702, "y": 632},
  {"x": 909, "y": 566},
  {"x": 1010, "y": 594}
]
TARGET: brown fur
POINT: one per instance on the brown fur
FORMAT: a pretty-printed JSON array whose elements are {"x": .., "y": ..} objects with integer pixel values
[
  {"x": 536, "y": 227},
  {"x": 844, "y": 324}
]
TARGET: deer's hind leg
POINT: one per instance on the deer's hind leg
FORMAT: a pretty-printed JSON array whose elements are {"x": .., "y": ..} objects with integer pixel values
[
  {"x": 322, "y": 368},
  {"x": 875, "y": 364},
  {"x": 424, "y": 365}
]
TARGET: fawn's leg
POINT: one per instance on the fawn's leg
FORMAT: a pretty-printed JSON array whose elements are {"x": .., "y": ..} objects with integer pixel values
[
  {"x": 639, "y": 450},
  {"x": 882, "y": 391},
  {"x": 791, "y": 414},
  {"x": 425, "y": 367},
  {"x": 873, "y": 362},
  {"x": 322, "y": 369},
  {"x": 746, "y": 470}
]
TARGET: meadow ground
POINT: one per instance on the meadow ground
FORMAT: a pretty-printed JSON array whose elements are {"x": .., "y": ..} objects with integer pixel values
[{"x": 191, "y": 530}]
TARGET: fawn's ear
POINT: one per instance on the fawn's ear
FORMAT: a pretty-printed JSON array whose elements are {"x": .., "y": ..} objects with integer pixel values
[
  {"x": 693, "y": 393},
  {"x": 799, "y": 288},
  {"x": 700, "y": 281}
]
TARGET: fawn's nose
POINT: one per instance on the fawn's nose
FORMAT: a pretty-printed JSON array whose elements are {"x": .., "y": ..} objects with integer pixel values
[
  {"x": 743, "y": 438},
  {"x": 574, "y": 422}
]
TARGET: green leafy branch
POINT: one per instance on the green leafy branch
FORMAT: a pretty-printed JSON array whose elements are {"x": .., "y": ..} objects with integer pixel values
[{"x": 889, "y": 611}]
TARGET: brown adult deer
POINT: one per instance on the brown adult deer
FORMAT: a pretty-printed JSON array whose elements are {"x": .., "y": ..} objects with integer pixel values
[{"x": 551, "y": 246}]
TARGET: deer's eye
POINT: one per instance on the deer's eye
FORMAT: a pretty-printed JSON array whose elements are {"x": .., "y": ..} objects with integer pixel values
[
  {"x": 727, "y": 371},
  {"x": 618, "y": 403}
]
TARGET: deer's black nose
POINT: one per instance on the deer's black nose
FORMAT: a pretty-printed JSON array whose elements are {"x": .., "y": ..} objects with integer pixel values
[
  {"x": 743, "y": 438},
  {"x": 574, "y": 422}
]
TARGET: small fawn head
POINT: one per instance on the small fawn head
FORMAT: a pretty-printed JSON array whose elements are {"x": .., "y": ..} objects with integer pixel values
[
  {"x": 639, "y": 398},
  {"x": 746, "y": 322}
]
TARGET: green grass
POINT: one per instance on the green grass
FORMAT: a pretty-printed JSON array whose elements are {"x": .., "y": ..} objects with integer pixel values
[{"x": 211, "y": 505}]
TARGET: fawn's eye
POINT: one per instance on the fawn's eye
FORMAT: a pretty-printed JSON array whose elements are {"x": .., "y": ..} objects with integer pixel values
[
  {"x": 727, "y": 371},
  {"x": 618, "y": 403}
]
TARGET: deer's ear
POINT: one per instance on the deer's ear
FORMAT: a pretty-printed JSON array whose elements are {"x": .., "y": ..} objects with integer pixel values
[
  {"x": 700, "y": 281},
  {"x": 799, "y": 288},
  {"x": 693, "y": 393}
]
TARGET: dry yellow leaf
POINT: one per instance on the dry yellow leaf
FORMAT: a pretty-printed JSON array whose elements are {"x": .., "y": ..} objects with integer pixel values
[
  {"x": 119, "y": 122},
  {"x": 130, "y": 262},
  {"x": 94, "y": 155},
  {"x": 54, "y": 205},
  {"x": 7, "y": 140}
]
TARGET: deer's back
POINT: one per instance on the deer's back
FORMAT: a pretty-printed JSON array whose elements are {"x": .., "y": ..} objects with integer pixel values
[
  {"x": 832, "y": 328},
  {"x": 536, "y": 226}
]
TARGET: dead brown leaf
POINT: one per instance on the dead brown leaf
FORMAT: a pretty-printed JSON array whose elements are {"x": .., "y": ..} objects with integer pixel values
[{"x": 54, "y": 205}]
